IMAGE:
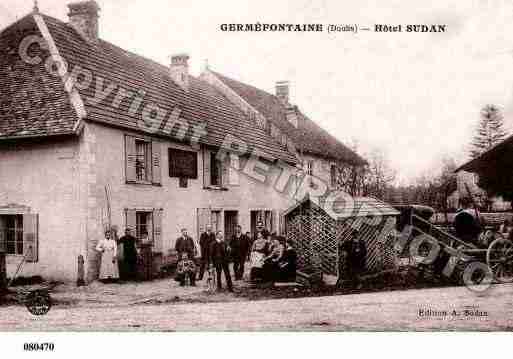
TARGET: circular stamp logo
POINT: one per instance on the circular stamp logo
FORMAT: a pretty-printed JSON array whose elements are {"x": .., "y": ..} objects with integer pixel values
[{"x": 39, "y": 303}]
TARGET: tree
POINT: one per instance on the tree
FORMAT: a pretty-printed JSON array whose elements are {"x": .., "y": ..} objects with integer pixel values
[
  {"x": 490, "y": 130},
  {"x": 380, "y": 176},
  {"x": 374, "y": 179}
]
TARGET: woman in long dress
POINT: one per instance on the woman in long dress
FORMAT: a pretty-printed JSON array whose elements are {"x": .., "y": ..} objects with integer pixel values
[
  {"x": 259, "y": 251},
  {"x": 109, "y": 270}
]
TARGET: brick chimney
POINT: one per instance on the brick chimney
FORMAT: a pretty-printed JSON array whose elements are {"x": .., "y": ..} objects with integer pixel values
[
  {"x": 282, "y": 92},
  {"x": 179, "y": 70},
  {"x": 83, "y": 17}
]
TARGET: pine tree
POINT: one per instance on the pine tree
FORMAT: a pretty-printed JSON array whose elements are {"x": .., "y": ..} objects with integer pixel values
[{"x": 489, "y": 132}]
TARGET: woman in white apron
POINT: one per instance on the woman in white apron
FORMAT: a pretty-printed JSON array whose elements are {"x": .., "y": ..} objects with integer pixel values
[{"x": 109, "y": 270}]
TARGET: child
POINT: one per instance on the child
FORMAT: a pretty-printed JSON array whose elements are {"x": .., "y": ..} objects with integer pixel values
[{"x": 186, "y": 269}]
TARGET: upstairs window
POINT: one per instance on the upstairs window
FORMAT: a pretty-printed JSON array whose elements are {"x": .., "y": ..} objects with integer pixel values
[
  {"x": 333, "y": 175},
  {"x": 220, "y": 174},
  {"x": 309, "y": 168},
  {"x": 142, "y": 160},
  {"x": 310, "y": 172},
  {"x": 216, "y": 170}
]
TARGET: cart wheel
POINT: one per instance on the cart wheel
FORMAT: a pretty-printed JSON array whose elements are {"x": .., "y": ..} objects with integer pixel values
[
  {"x": 38, "y": 302},
  {"x": 499, "y": 258}
]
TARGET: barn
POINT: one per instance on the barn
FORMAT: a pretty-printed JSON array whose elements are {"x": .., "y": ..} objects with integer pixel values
[{"x": 317, "y": 234}]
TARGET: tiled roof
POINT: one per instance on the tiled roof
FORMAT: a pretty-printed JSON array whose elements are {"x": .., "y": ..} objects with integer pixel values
[
  {"x": 357, "y": 207},
  {"x": 309, "y": 137},
  {"x": 201, "y": 104},
  {"x": 32, "y": 102}
]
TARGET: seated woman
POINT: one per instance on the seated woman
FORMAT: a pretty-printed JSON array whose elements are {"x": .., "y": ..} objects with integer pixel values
[
  {"x": 271, "y": 262},
  {"x": 186, "y": 269},
  {"x": 259, "y": 251},
  {"x": 287, "y": 264}
]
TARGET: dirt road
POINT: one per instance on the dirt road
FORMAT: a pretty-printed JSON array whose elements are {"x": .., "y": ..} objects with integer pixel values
[{"x": 426, "y": 309}]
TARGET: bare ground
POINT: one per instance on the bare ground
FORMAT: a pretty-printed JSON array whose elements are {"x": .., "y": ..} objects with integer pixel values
[{"x": 390, "y": 310}]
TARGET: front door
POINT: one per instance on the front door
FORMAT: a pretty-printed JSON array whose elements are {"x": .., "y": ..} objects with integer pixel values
[{"x": 230, "y": 222}]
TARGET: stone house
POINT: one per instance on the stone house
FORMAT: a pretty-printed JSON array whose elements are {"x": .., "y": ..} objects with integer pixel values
[{"x": 92, "y": 135}]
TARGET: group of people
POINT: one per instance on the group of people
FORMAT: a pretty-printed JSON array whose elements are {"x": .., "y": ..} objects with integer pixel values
[
  {"x": 120, "y": 256},
  {"x": 271, "y": 259},
  {"x": 270, "y": 256}
]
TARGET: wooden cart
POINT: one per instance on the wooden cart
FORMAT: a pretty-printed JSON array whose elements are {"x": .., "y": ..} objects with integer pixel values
[
  {"x": 495, "y": 251},
  {"x": 36, "y": 297}
]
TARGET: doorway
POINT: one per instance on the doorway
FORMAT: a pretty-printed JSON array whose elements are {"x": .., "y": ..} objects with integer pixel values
[{"x": 231, "y": 219}]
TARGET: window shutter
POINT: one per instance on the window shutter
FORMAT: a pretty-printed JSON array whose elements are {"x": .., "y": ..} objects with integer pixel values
[
  {"x": 30, "y": 242},
  {"x": 156, "y": 162},
  {"x": 130, "y": 158},
  {"x": 225, "y": 169},
  {"x": 158, "y": 245},
  {"x": 206, "y": 168},
  {"x": 131, "y": 221},
  {"x": 234, "y": 169}
]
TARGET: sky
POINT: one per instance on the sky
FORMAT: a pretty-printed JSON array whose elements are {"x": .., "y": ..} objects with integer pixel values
[{"x": 414, "y": 96}]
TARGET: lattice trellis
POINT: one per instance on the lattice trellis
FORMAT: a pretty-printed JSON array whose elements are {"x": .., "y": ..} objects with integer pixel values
[{"x": 316, "y": 237}]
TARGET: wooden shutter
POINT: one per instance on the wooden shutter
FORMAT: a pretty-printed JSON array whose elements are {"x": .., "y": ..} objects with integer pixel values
[
  {"x": 225, "y": 168},
  {"x": 30, "y": 240},
  {"x": 234, "y": 169},
  {"x": 130, "y": 158},
  {"x": 206, "y": 168},
  {"x": 158, "y": 245},
  {"x": 131, "y": 220},
  {"x": 156, "y": 162}
]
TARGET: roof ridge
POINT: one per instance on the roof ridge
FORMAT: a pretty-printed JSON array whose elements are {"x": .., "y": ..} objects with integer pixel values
[{"x": 276, "y": 112}]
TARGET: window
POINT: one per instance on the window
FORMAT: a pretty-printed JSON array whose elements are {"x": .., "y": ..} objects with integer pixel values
[
  {"x": 183, "y": 164},
  {"x": 216, "y": 170},
  {"x": 147, "y": 221},
  {"x": 284, "y": 140},
  {"x": 142, "y": 161},
  {"x": 333, "y": 175},
  {"x": 19, "y": 235},
  {"x": 309, "y": 168},
  {"x": 12, "y": 226},
  {"x": 310, "y": 173},
  {"x": 143, "y": 224}
]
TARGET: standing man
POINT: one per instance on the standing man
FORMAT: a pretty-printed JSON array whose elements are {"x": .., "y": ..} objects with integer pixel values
[
  {"x": 206, "y": 239},
  {"x": 346, "y": 260},
  {"x": 239, "y": 245},
  {"x": 359, "y": 259},
  {"x": 219, "y": 257},
  {"x": 130, "y": 255},
  {"x": 185, "y": 244}
]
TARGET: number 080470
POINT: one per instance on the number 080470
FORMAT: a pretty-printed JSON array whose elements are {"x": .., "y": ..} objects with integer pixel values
[{"x": 41, "y": 347}]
